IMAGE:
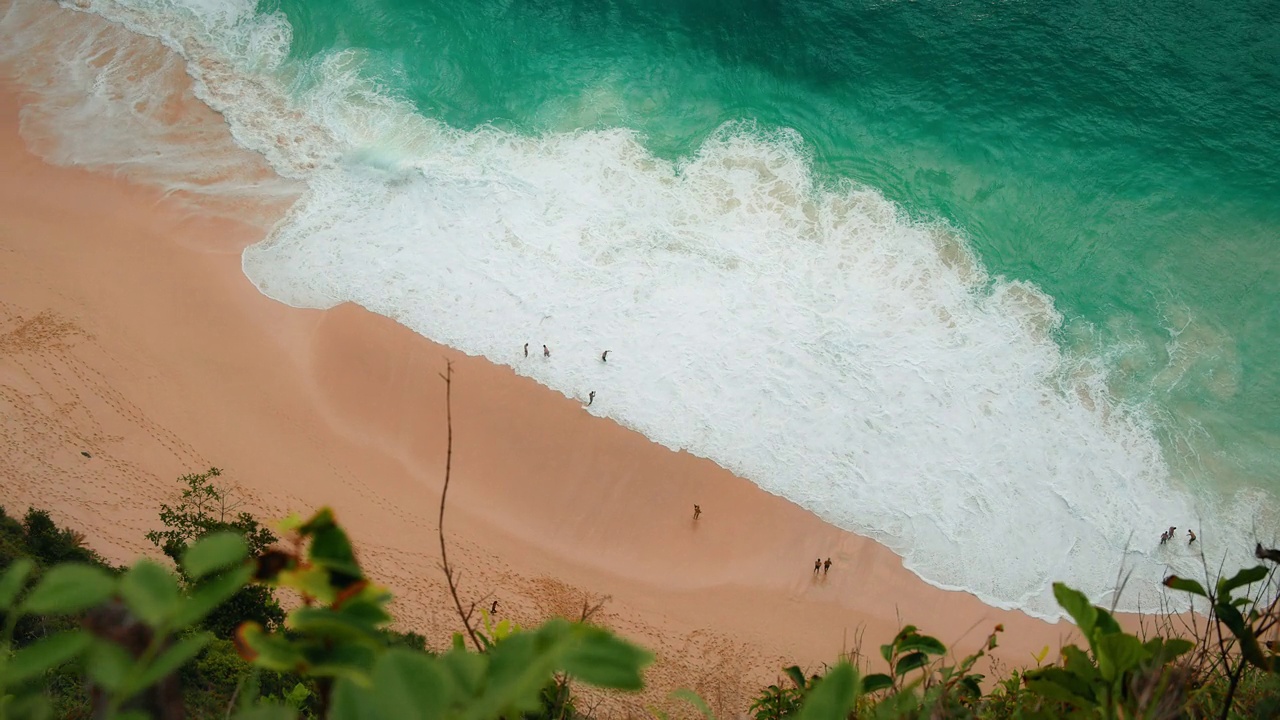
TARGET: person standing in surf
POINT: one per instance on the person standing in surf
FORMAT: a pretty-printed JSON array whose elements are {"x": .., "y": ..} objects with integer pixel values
[
  {"x": 604, "y": 356},
  {"x": 546, "y": 352},
  {"x": 591, "y": 397},
  {"x": 526, "y": 349}
]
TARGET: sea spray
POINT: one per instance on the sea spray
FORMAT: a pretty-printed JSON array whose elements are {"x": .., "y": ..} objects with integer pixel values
[{"x": 805, "y": 333}]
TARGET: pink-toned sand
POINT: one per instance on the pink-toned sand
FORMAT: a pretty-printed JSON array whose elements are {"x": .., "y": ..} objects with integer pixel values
[{"x": 128, "y": 331}]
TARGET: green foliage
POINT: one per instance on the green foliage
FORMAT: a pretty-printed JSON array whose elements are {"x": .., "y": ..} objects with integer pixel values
[
  {"x": 1101, "y": 682},
  {"x": 207, "y": 510},
  {"x": 141, "y": 634}
]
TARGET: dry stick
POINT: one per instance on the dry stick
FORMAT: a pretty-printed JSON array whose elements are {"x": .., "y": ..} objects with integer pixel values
[{"x": 444, "y": 493}]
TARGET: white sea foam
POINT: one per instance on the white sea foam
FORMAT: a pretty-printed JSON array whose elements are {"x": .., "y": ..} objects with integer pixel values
[{"x": 807, "y": 336}]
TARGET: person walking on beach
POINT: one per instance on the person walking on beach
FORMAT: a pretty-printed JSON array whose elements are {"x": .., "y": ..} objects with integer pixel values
[
  {"x": 1191, "y": 533},
  {"x": 826, "y": 566},
  {"x": 1164, "y": 537},
  {"x": 591, "y": 397},
  {"x": 604, "y": 356},
  {"x": 545, "y": 351},
  {"x": 817, "y": 565},
  {"x": 697, "y": 510}
]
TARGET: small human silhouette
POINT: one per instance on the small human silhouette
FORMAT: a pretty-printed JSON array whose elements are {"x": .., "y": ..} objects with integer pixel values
[
  {"x": 1164, "y": 537},
  {"x": 493, "y": 609},
  {"x": 591, "y": 397},
  {"x": 526, "y": 349},
  {"x": 817, "y": 565},
  {"x": 604, "y": 356},
  {"x": 826, "y": 566},
  {"x": 1171, "y": 529},
  {"x": 1191, "y": 533},
  {"x": 697, "y": 510},
  {"x": 545, "y": 351}
]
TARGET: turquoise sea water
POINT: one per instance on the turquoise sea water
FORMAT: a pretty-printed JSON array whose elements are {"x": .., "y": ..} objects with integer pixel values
[
  {"x": 995, "y": 283},
  {"x": 1123, "y": 157}
]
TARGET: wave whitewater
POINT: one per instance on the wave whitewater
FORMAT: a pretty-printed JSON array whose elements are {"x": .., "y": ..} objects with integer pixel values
[{"x": 806, "y": 335}]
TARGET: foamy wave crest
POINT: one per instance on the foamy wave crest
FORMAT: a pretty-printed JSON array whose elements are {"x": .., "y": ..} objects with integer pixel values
[{"x": 806, "y": 335}]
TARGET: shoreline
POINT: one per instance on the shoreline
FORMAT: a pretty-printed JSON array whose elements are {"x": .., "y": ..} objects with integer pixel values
[{"x": 129, "y": 330}]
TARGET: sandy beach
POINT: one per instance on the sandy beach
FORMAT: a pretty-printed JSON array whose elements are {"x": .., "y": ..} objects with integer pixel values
[{"x": 128, "y": 331}]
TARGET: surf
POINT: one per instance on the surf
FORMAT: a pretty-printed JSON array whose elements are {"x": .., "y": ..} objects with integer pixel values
[{"x": 801, "y": 330}]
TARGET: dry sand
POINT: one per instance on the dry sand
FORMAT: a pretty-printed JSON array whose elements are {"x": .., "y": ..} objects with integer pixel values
[{"x": 128, "y": 331}]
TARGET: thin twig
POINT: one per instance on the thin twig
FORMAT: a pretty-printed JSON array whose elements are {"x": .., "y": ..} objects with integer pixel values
[{"x": 444, "y": 493}]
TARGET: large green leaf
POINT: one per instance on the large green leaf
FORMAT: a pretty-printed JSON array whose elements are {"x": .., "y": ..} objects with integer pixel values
[
  {"x": 1077, "y": 662},
  {"x": 409, "y": 685},
  {"x": 326, "y": 623},
  {"x": 912, "y": 661},
  {"x": 69, "y": 588},
  {"x": 1051, "y": 690},
  {"x": 921, "y": 643},
  {"x": 45, "y": 654},
  {"x": 351, "y": 701},
  {"x": 174, "y": 657},
  {"x": 1247, "y": 576},
  {"x": 1078, "y": 607},
  {"x": 833, "y": 696},
  {"x": 1119, "y": 653},
  {"x": 1249, "y": 646},
  {"x": 214, "y": 552},
  {"x": 519, "y": 667},
  {"x": 1185, "y": 585},
  {"x": 151, "y": 592},
  {"x": 878, "y": 681},
  {"x": 108, "y": 664},
  {"x": 603, "y": 660},
  {"x": 11, "y": 582}
]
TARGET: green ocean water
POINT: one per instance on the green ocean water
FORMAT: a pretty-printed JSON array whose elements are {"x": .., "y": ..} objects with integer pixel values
[{"x": 1123, "y": 157}]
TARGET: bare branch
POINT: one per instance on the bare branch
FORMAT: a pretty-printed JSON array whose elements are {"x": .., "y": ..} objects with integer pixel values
[{"x": 444, "y": 493}]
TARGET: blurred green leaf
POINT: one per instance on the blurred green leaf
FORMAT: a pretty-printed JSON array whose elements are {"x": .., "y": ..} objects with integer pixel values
[
  {"x": 907, "y": 663},
  {"x": 169, "y": 661},
  {"x": 1078, "y": 607},
  {"x": 409, "y": 685},
  {"x": 1185, "y": 585},
  {"x": 272, "y": 652},
  {"x": 876, "y": 682},
  {"x": 266, "y": 712},
  {"x": 1119, "y": 653},
  {"x": 214, "y": 552},
  {"x": 108, "y": 664},
  {"x": 1077, "y": 662},
  {"x": 1248, "y": 576},
  {"x": 69, "y": 588},
  {"x": 695, "y": 700},
  {"x": 151, "y": 592},
  {"x": 209, "y": 594},
  {"x": 922, "y": 643},
  {"x": 833, "y": 696},
  {"x": 45, "y": 654},
  {"x": 11, "y": 582},
  {"x": 353, "y": 702},
  {"x": 326, "y": 623},
  {"x": 604, "y": 660}
]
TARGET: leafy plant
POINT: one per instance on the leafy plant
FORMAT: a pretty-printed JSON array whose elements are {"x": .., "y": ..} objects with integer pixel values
[
  {"x": 1120, "y": 675},
  {"x": 205, "y": 508}
]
